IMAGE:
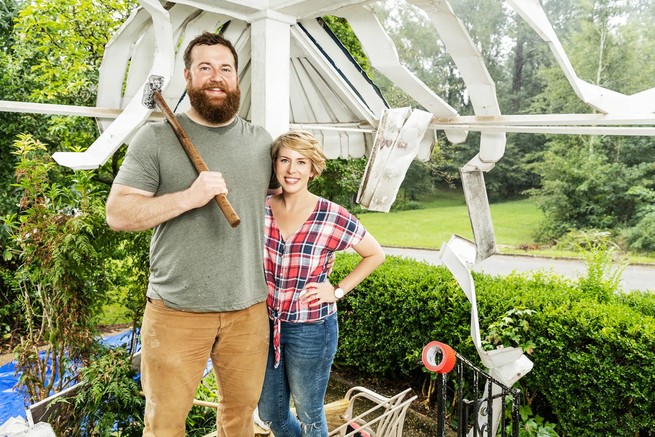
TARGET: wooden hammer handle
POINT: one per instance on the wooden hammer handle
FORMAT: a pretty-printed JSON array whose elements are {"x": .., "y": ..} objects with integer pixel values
[{"x": 194, "y": 156}]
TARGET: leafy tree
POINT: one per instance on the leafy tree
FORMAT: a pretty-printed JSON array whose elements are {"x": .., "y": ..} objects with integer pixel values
[
  {"x": 8, "y": 304},
  {"x": 61, "y": 262},
  {"x": 340, "y": 180},
  {"x": 487, "y": 24},
  {"x": 512, "y": 176},
  {"x": 52, "y": 55},
  {"x": 528, "y": 54},
  {"x": 417, "y": 183},
  {"x": 638, "y": 41},
  {"x": 582, "y": 189},
  {"x": 593, "y": 181},
  {"x": 59, "y": 275},
  {"x": 8, "y": 11},
  {"x": 67, "y": 266},
  {"x": 72, "y": 35},
  {"x": 641, "y": 236},
  {"x": 424, "y": 177}
]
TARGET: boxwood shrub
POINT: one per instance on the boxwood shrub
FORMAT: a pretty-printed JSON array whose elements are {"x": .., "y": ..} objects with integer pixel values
[{"x": 594, "y": 357}]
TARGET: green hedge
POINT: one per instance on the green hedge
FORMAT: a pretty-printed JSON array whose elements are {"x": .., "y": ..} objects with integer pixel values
[{"x": 594, "y": 356}]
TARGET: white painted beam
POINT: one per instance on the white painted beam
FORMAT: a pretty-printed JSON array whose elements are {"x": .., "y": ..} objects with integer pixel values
[
  {"x": 551, "y": 119},
  {"x": 270, "y": 45},
  {"x": 572, "y": 124},
  {"x": 78, "y": 111},
  {"x": 235, "y": 9},
  {"x": 602, "y": 99},
  {"x": 135, "y": 112},
  {"x": 552, "y": 130},
  {"x": 470, "y": 63},
  {"x": 383, "y": 55},
  {"x": 314, "y": 8}
]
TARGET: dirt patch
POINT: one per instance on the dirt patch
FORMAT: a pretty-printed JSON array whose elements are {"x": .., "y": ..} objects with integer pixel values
[
  {"x": 6, "y": 358},
  {"x": 7, "y": 346},
  {"x": 109, "y": 330}
]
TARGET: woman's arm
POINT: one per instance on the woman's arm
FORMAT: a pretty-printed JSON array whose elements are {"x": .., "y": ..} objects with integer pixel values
[{"x": 372, "y": 256}]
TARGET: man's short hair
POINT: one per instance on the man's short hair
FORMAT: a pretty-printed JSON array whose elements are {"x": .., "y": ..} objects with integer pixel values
[{"x": 209, "y": 39}]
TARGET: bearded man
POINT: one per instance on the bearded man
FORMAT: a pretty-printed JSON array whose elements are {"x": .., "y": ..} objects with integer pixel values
[{"x": 206, "y": 295}]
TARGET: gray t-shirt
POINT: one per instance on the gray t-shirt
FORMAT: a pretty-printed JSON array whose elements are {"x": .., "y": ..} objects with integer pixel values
[{"x": 198, "y": 262}]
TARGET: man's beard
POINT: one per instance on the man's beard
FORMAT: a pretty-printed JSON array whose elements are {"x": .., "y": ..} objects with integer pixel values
[{"x": 212, "y": 110}]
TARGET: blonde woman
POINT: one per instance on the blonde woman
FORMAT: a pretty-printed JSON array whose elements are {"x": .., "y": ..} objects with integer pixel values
[{"x": 302, "y": 232}]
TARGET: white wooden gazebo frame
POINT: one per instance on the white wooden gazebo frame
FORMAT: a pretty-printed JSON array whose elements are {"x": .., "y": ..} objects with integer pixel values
[{"x": 287, "y": 55}]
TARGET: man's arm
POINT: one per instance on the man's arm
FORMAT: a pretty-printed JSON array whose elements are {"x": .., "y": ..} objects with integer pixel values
[{"x": 132, "y": 209}]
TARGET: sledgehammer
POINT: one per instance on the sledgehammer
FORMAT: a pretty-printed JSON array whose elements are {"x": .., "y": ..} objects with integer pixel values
[{"x": 152, "y": 97}]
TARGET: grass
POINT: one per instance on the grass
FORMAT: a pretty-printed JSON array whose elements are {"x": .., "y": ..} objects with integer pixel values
[{"x": 514, "y": 223}]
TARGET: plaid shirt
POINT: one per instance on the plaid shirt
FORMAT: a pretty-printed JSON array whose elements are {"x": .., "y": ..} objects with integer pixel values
[{"x": 289, "y": 265}]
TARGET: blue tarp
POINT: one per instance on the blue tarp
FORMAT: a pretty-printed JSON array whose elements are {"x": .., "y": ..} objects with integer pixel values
[{"x": 12, "y": 401}]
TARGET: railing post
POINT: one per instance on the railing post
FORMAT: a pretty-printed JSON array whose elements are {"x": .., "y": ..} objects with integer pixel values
[
  {"x": 442, "y": 380},
  {"x": 516, "y": 412}
]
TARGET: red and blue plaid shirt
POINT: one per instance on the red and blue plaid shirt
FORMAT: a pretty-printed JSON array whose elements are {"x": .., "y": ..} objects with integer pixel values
[{"x": 289, "y": 265}]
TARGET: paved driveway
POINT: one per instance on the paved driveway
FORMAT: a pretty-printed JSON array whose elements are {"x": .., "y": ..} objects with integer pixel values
[{"x": 635, "y": 277}]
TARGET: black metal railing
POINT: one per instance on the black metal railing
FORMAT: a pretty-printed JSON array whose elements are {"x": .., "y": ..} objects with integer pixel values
[{"x": 480, "y": 406}]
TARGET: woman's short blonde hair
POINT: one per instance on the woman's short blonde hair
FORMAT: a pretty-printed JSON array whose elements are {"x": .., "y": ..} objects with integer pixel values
[{"x": 304, "y": 143}]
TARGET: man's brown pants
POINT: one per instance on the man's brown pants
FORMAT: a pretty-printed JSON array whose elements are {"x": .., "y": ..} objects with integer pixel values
[{"x": 176, "y": 346}]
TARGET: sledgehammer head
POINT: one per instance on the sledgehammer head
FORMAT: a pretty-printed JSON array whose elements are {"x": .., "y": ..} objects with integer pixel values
[{"x": 155, "y": 83}]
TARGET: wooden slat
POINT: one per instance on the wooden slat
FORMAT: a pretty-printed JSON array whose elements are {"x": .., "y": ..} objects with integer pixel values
[
  {"x": 396, "y": 145},
  {"x": 387, "y": 133},
  {"x": 475, "y": 193}
]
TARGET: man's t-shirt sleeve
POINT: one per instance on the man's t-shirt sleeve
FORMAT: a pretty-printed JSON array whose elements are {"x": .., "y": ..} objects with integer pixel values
[{"x": 140, "y": 169}]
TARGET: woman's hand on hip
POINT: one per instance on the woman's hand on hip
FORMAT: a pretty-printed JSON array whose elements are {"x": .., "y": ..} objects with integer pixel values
[{"x": 317, "y": 293}]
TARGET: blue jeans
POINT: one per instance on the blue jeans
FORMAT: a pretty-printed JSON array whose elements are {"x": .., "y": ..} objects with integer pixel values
[{"x": 306, "y": 354}]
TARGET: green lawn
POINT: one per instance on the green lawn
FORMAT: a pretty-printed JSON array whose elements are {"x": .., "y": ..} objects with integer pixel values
[
  {"x": 428, "y": 228},
  {"x": 514, "y": 223}
]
